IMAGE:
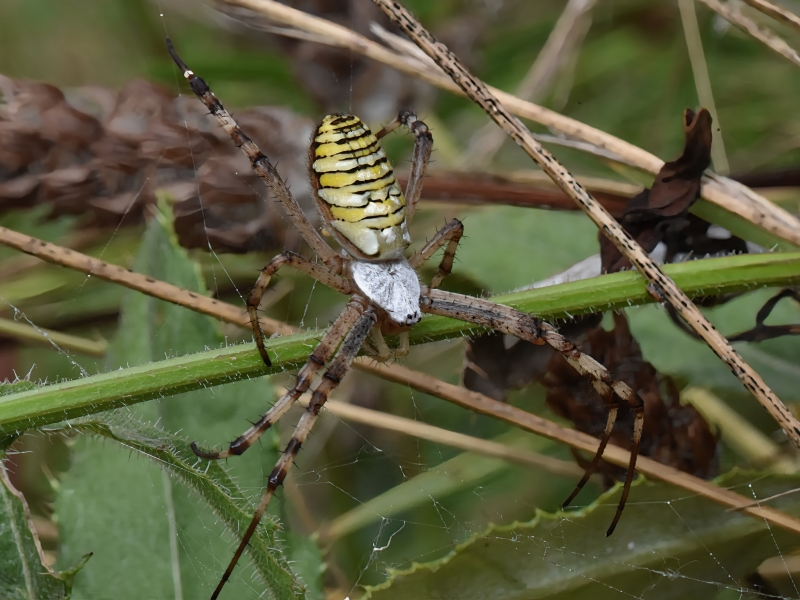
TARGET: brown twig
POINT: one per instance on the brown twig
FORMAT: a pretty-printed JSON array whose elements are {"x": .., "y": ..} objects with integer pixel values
[
  {"x": 776, "y": 12},
  {"x": 661, "y": 285},
  {"x": 466, "y": 188},
  {"x": 735, "y": 17},
  {"x": 115, "y": 274},
  {"x": 420, "y": 381},
  {"x": 717, "y": 190}
]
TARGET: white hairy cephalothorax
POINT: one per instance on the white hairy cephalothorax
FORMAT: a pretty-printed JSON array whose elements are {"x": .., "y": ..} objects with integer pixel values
[{"x": 393, "y": 285}]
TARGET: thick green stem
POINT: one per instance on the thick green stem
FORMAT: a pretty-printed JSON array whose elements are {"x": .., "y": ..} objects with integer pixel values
[{"x": 53, "y": 403}]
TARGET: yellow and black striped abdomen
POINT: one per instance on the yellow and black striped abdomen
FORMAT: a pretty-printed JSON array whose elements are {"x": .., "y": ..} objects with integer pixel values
[{"x": 356, "y": 189}]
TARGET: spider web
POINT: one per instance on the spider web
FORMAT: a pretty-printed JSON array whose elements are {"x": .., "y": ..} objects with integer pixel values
[{"x": 384, "y": 502}]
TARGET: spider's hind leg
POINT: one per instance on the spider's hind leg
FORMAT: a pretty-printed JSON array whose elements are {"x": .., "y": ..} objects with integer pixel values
[
  {"x": 316, "y": 360},
  {"x": 377, "y": 348},
  {"x": 318, "y": 271}
]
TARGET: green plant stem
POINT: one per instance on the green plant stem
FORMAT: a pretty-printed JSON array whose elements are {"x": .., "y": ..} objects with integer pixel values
[{"x": 53, "y": 403}]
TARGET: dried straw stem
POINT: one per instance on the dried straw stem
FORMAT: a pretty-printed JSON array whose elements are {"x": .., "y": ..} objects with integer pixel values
[
  {"x": 735, "y": 17},
  {"x": 468, "y": 443},
  {"x": 115, "y": 274},
  {"x": 718, "y": 190},
  {"x": 661, "y": 285},
  {"x": 702, "y": 81},
  {"x": 519, "y": 418},
  {"x": 564, "y": 41},
  {"x": 776, "y": 12}
]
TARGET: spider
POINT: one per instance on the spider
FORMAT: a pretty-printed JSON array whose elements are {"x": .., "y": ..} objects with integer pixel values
[{"x": 365, "y": 211}]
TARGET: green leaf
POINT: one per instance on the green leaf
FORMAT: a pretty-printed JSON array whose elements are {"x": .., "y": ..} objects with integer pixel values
[
  {"x": 307, "y": 563},
  {"x": 134, "y": 516},
  {"x": 210, "y": 482},
  {"x": 693, "y": 545},
  {"x": 467, "y": 471},
  {"x": 24, "y": 574}
]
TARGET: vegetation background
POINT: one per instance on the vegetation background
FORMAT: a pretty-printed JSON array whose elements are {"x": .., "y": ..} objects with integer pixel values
[{"x": 412, "y": 501}]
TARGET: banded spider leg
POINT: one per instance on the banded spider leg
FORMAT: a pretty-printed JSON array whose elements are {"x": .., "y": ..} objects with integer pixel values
[
  {"x": 355, "y": 322},
  {"x": 528, "y": 328}
]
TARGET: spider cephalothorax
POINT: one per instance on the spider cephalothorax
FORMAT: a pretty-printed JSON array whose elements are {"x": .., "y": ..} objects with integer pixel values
[{"x": 364, "y": 209}]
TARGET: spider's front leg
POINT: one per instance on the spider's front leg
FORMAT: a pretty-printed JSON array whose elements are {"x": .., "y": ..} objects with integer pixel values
[
  {"x": 528, "y": 328},
  {"x": 316, "y": 360},
  {"x": 364, "y": 321},
  {"x": 260, "y": 163},
  {"x": 449, "y": 234},
  {"x": 320, "y": 272}
]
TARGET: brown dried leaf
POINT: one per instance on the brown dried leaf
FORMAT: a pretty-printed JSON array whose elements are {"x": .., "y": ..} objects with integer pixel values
[
  {"x": 661, "y": 211},
  {"x": 674, "y": 434},
  {"x": 105, "y": 155}
]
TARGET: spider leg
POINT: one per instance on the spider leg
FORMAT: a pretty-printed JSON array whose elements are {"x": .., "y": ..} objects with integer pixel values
[
  {"x": 377, "y": 347},
  {"x": 290, "y": 259},
  {"x": 259, "y": 162},
  {"x": 380, "y": 349},
  {"x": 316, "y": 360},
  {"x": 419, "y": 157},
  {"x": 336, "y": 371},
  {"x": 604, "y": 385},
  {"x": 531, "y": 329},
  {"x": 450, "y": 234}
]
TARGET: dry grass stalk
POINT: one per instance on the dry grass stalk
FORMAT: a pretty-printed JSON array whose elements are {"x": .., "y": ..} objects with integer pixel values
[
  {"x": 735, "y": 17},
  {"x": 419, "y": 381},
  {"x": 46, "y": 337},
  {"x": 115, "y": 274},
  {"x": 736, "y": 431},
  {"x": 702, "y": 81},
  {"x": 661, "y": 285},
  {"x": 564, "y": 41},
  {"x": 519, "y": 418},
  {"x": 468, "y": 443},
  {"x": 717, "y": 190},
  {"x": 776, "y": 12}
]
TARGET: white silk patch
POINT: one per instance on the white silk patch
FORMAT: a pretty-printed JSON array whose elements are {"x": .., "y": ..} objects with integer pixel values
[{"x": 393, "y": 285}]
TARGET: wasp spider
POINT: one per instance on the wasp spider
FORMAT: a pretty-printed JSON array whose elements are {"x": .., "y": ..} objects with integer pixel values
[{"x": 364, "y": 209}]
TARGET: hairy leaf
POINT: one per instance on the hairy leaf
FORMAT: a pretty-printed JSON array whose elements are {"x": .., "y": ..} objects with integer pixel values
[
  {"x": 695, "y": 545},
  {"x": 136, "y": 517},
  {"x": 24, "y": 574},
  {"x": 209, "y": 481}
]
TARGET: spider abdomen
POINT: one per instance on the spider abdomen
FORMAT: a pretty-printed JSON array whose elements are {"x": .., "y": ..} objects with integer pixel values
[{"x": 356, "y": 189}]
